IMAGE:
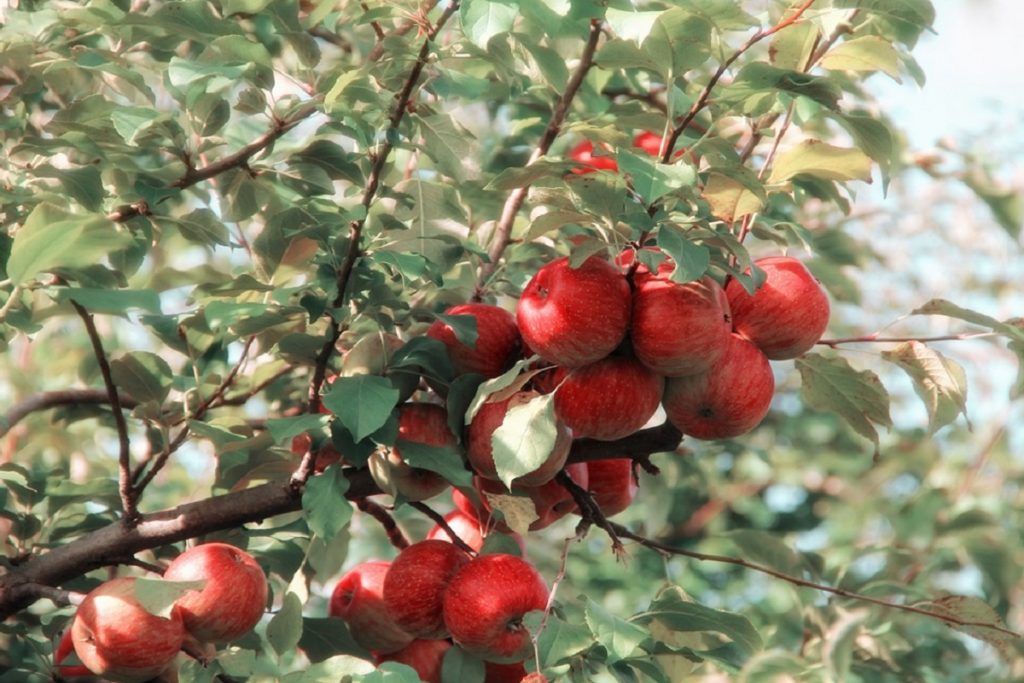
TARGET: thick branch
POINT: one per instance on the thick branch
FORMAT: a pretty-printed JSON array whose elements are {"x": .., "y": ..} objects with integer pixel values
[
  {"x": 52, "y": 399},
  {"x": 662, "y": 439},
  {"x": 128, "y": 497},
  {"x": 804, "y": 583},
  {"x": 503, "y": 229}
]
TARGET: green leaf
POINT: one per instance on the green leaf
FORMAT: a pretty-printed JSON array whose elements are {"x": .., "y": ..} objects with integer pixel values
[
  {"x": 521, "y": 176},
  {"x": 940, "y": 382},
  {"x": 159, "y": 595},
  {"x": 678, "y": 42},
  {"x": 285, "y": 628},
  {"x": 445, "y": 460},
  {"x": 464, "y": 327},
  {"x": 631, "y": 25},
  {"x": 821, "y": 160},
  {"x": 561, "y": 640},
  {"x": 283, "y": 429},
  {"x": 839, "y": 643},
  {"x": 113, "y": 301},
  {"x": 54, "y": 238},
  {"x": 867, "y": 53},
  {"x": 829, "y": 383},
  {"x": 677, "y": 613},
  {"x": 525, "y": 439},
  {"x": 1006, "y": 204},
  {"x": 758, "y": 78},
  {"x": 1010, "y": 328},
  {"x": 600, "y": 194},
  {"x": 791, "y": 48},
  {"x": 502, "y": 382},
  {"x": 324, "y": 637},
  {"x": 460, "y": 667},
  {"x": 447, "y": 144},
  {"x": 767, "y": 549},
  {"x": 618, "y": 636},
  {"x": 652, "y": 180},
  {"x": 691, "y": 260},
  {"x": 145, "y": 376},
  {"x": 83, "y": 184},
  {"x": 730, "y": 199},
  {"x": 362, "y": 403},
  {"x": 324, "y": 505},
  {"x": 484, "y": 19}
]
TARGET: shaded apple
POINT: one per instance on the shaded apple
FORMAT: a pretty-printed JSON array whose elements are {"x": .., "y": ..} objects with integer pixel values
[
  {"x": 729, "y": 399},
  {"x": 787, "y": 315},
  {"x": 497, "y": 341},
  {"x": 117, "y": 638},
  {"x": 357, "y": 599},
  {"x": 233, "y": 599},
  {"x": 612, "y": 483},
  {"x": 679, "y": 329},
  {"x": 575, "y": 316},
  {"x": 426, "y": 657},
  {"x": 485, "y": 603},
  {"x": 609, "y": 399},
  {"x": 421, "y": 423}
]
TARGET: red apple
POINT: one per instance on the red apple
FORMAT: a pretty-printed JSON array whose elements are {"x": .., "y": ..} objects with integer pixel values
[
  {"x": 584, "y": 154},
  {"x": 608, "y": 399},
  {"x": 504, "y": 673},
  {"x": 233, "y": 599},
  {"x": 425, "y": 656},
  {"x": 480, "y": 453},
  {"x": 116, "y": 638},
  {"x": 485, "y": 604},
  {"x": 612, "y": 484},
  {"x": 679, "y": 329},
  {"x": 497, "y": 341},
  {"x": 65, "y": 647},
  {"x": 422, "y": 423},
  {"x": 786, "y": 317},
  {"x": 575, "y": 316},
  {"x": 326, "y": 454},
  {"x": 469, "y": 529},
  {"x": 358, "y": 600},
  {"x": 551, "y": 501},
  {"x": 535, "y": 677},
  {"x": 415, "y": 583},
  {"x": 729, "y": 399}
]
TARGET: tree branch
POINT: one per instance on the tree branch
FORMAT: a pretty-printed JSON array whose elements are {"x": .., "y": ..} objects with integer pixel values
[
  {"x": 395, "y": 535},
  {"x": 876, "y": 339},
  {"x": 45, "y": 400},
  {"x": 124, "y": 486},
  {"x": 355, "y": 228},
  {"x": 503, "y": 230},
  {"x": 804, "y": 583}
]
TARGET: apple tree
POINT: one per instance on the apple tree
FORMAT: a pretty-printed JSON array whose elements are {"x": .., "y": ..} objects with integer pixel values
[{"x": 577, "y": 288}]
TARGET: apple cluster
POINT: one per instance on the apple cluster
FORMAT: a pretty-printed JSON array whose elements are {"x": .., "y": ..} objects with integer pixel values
[
  {"x": 115, "y": 636},
  {"x": 434, "y": 596}
]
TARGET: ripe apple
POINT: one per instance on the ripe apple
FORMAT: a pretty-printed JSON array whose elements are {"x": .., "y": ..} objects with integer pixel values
[
  {"x": 116, "y": 638},
  {"x": 612, "y": 484},
  {"x": 609, "y": 399},
  {"x": 504, "y": 673},
  {"x": 422, "y": 423},
  {"x": 485, "y": 603},
  {"x": 425, "y": 656},
  {"x": 729, "y": 399},
  {"x": 357, "y": 599},
  {"x": 575, "y": 316},
  {"x": 497, "y": 341},
  {"x": 233, "y": 599},
  {"x": 584, "y": 154},
  {"x": 786, "y": 317},
  {"x": 679, "y": 329},
  {"x": 65, "y": 647},
  {"x": 415, "y": 583},
  {"x": 480, "y": 453},
  {"x": 551, "y": 501}
]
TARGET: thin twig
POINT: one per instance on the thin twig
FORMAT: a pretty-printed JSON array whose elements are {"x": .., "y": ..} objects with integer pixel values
[
  {"x": 404, "y": 27},
  {"x": 395, "y": 535},
  {"x": 53, "y": 399},
  {"x": 804, "y": 583},
  {"x": 503, "y": 230},
  {"x": 590, "y": 512},
  {"x": 876, "y": 339},
  {"x": 705, "y": 94},
  {"x": 559, "y": 577},
  {"x": 11, "y": 300},
  {"x": 439, "y": 519},
  {"x": 355, "y": 228},
  {"x": 128, "y": 496}
]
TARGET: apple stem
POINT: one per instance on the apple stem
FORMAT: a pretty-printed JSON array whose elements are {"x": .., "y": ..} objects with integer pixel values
[
  {"x": 944, "y": 617},
  {"x": 395, "y": 535}
]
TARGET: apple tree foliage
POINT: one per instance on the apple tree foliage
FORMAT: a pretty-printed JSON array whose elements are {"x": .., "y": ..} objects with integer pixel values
[{"x": 205, "y": 203}]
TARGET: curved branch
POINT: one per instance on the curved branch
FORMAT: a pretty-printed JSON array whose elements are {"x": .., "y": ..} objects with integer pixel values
[
  {"x": 503, "y": 230},
  {"x": 45, "y": 400}
]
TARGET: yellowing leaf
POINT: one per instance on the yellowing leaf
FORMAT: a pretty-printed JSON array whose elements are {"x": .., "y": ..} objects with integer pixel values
[
  {"x": 868, "y": 53},
  {"x": 519, "y": 511},
  {"x": 821, "y": 160},
  {"x": 940, "y": 382},
  {"x": 729, "y": 199},
  {"x": 525, "y": 438}
]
